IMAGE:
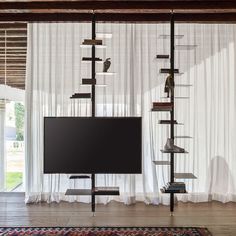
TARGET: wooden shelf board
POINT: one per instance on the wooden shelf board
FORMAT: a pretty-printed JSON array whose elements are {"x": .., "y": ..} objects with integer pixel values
[
  {"x": 168, "y": 122},
  {"x": 161, "y": 110},
  {"x": 106, "y": 191},
  {"x": 161, "y": 163},
  {"x": 79, "y": 177},
  {"x": 162, "y": 56},
  {"x": 81, "y": 95},
  {"x": 184, "y": 176},
  {"x": 78, "y": 192},
  {"x": 164, "y": 151},
  {"x": 175, "y": 192}
]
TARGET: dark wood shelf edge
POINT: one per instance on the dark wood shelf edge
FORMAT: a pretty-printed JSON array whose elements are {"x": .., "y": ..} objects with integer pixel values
[
  {"x": 185, "y": 152},
  {"x": 106, "y": 191},
  {"x": 79, "y": 177},
  {"x": 97, "y": 191},
  {"x": 175, "y": 192}
]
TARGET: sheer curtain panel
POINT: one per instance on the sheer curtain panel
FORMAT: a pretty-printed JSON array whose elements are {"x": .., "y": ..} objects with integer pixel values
[{"x": 205, "y": 56}]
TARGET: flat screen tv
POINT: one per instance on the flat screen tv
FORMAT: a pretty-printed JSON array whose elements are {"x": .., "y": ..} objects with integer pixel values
[{"x": 92, "y": 145}]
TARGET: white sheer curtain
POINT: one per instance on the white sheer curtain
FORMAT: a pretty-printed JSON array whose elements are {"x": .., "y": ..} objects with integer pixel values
[{"x": 55, "y": 70}]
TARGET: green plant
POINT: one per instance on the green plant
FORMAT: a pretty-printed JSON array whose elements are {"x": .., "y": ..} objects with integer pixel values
[{"x": 19, "y": 114}]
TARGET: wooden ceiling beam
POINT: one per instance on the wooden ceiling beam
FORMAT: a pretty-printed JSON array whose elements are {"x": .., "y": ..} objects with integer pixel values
[
  {"x": 111, "y": 4},
  {"x": 121, "y": 17}
]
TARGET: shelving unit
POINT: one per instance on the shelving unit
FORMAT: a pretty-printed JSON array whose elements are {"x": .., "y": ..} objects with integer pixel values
[
  {"x": 172, "y": 189},
  {"x": 94, "y": 190}
]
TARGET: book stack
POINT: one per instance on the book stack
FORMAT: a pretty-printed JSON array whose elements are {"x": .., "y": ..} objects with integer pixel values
[
  {"x": 90, "y": 59},
  {"x": 92, "y": 42},
  {"x": 162, "y": 106},
  {"x": 178, "y": 187}
]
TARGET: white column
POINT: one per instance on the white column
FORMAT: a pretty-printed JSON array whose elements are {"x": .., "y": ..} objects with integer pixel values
[{"x": 2, "y": 145}]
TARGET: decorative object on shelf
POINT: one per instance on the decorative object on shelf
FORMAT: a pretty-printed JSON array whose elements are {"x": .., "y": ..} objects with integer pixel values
[
  {"x": 169, "y": 85},
  {"x": 169, "y": 146},
  {"x": 106, "y": 64}
]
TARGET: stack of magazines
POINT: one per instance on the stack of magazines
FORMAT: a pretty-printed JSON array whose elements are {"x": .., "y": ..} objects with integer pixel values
[
  {"x": 162, "y": 106},
  {"x": 175, "y": 187},
  {"x": 92, "y": 42}
]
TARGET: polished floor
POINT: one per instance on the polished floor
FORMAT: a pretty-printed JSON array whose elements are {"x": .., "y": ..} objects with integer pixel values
[{"x": 219, "y": 218}]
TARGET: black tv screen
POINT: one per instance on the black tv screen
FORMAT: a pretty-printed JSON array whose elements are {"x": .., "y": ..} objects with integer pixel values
[{"x": 92, "y": 145}]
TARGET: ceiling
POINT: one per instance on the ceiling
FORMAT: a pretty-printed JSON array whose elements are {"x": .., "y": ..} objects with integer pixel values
[
  {"x": 15, "y": 14},
  {"x": 118, "y": 10}
]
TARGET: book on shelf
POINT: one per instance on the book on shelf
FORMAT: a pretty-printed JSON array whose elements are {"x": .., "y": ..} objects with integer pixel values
[
  {"x": 90, "y": 59},
  {"x": 92, "y": 42},
  {"x": 168, "y": 122},
  {"x": 175, "y": 186},
  {"x": 173, "y": 190},
  {"x": 161, "y": 104}
]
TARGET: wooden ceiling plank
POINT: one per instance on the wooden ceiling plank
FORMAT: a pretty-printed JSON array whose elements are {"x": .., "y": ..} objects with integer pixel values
[
  {"x": 109, "y": 4},
  {"x": 145, "y": 17}
]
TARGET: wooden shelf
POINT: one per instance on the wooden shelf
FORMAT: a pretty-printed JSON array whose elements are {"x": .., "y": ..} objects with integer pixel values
[
  {"x": 161, "y": 163},
  {"x": 89, "y": 59},
  {"x": 161, "y": 109},
  {"x": 106, "y": 191},
  {"x": 171, "y": 191},
  {"x": 164, "y": 151},
  {"x": 168, "y": 122},
  {"x": 79, "y": 177},
  {"x": 78, "y": 192},
  {"x": 167, "y": 71},
  {"x": 89, "y": 81},
  {"x": 92, "y": 42},
  {"x": 163, "y": 56},
  {"x": 81, "y": 95},
  {"x": 184, "y": 176}
]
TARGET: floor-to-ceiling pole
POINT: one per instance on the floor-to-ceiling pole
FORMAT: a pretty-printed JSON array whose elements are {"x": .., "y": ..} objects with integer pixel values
[
  {"x": 172, "y": 66},
  {"x": 93, "y": 104}
]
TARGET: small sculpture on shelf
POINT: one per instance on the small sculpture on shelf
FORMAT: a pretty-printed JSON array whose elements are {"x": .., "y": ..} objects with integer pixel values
[
  {"x": 106, "y": 64},
  {"x": 169, "y": 85},
  {"x": 169, "y": 146}
]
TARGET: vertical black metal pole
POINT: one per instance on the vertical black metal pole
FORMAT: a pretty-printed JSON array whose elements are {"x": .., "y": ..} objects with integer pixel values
[
  {"x": 93, "y": 103},
  {"x": 172, "y": 67}
]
